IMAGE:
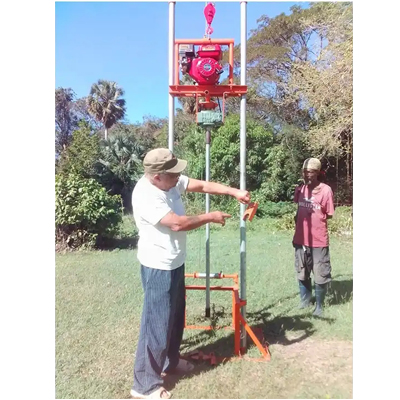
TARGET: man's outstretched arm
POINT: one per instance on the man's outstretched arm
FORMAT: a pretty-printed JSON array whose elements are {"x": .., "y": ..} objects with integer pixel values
[{"x": 198, "y": 186}]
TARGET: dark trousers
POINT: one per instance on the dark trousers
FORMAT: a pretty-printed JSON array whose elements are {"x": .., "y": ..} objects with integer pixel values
[
  {"x": 161, "y": 327},
  {"x": 315, "y": 259}
]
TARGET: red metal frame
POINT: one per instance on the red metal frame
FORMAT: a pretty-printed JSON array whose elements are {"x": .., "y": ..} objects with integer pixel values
[
  {"x": 205, "y": 90},
  {"x": 237, "y": 318}
]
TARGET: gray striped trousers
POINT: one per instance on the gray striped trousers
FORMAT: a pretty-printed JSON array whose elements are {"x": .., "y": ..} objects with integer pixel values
[{"x": 161, "y": 327}]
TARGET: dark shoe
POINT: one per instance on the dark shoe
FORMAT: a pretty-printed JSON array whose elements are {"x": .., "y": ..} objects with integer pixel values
[
  {"x": 305, "y": 293},
  {"x": 320, "y": 292}
]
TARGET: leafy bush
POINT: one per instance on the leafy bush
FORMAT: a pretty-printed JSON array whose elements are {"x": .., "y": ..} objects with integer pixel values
[
  {"x": 126, "y": 228},
  {"x": 124, "y": 236},
  {"x": 84, "y": 211},
  {"x": 195, "y": 203},
  {"x": 278, "y": 216},
  {"x": 284, "y": 223},
  {"x": 276, "y": 209},
  {"x": 282, "y": 173},
  {"x": 342, "y": 222},
  {"x": 82, "y": 156}
]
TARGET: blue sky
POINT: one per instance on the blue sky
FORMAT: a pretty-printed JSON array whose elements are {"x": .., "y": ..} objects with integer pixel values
[{"x": 127, "y": 42}]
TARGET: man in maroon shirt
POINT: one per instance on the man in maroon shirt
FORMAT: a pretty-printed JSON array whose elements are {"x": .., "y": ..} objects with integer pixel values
[{"x": 311, "y": 240}]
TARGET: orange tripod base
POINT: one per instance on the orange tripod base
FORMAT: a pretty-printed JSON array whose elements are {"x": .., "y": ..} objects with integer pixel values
[{"x": 237, "y": 319}]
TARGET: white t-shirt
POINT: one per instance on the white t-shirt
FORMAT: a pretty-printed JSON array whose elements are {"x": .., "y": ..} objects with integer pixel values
[{"x": 159, "y": 247}]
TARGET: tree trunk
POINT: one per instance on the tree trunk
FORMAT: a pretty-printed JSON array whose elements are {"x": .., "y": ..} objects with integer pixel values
[
  {"x": 105, "y": 133},
  {"x": 348, "y": 166},
  {"x": 337, "y": 170}
]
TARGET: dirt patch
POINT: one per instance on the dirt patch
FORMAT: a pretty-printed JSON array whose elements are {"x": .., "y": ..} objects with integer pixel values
[
  {"x": 311, "y": 368},
  {"x": 319, "y": 363},
  {"x": 313, "y": 350}
]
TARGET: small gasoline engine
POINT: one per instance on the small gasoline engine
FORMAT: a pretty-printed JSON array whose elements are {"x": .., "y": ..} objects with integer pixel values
[{"x": 203, "y": 66}]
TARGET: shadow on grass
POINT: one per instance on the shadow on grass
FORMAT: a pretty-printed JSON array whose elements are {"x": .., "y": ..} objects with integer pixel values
[
  {"x": 340, "y": 291},
  {"x": 274, "y": 330},
  {"x": 224, "y": 347},
  {"x": 110, "y": 244}
]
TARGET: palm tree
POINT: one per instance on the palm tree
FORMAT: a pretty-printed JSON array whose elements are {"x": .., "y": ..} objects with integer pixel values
[
  {"x": 122, "y": 155},
  {"x": 105, "y": 103},
  {"x": 121, "y": 158}
]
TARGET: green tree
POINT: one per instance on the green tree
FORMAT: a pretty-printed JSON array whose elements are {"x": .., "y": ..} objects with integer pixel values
[
  {"x": 281, "y": 176},
  {"x": 144, "y": 134},
  {"x": 83, "y": 154},
  {"x": 225, "y": 152},
  {"x": 325, "y": 85},
  {"x": 65, "y": 120},
  {"x": 300, "y": 76},
  {"x": 106, "y": 104},
  {"x": 121, "y": 159},
  {"x": 183, "y": 125},
  {"x": 271, "y": 50}
]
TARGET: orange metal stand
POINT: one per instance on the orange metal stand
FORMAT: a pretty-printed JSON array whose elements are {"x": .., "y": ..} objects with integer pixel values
[{"x": 237, "y": 318}]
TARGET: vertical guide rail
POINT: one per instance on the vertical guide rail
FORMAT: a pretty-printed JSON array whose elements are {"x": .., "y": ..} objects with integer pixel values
[
  {"x": 231, "y": 63},
  {"x": 171, "y": 66},
  {"x": 208, "y": 140},
  {"x": 243, "y": 63}
]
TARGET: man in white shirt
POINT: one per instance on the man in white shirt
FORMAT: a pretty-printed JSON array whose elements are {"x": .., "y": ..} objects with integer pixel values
[{"x": 160, "y": 217}]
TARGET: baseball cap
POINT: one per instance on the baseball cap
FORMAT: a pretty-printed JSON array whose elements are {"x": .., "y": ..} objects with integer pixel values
[{"x": 163, "y": 160}]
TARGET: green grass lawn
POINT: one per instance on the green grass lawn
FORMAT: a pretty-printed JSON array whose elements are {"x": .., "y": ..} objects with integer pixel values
[{"x": 98, "y": 308}]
